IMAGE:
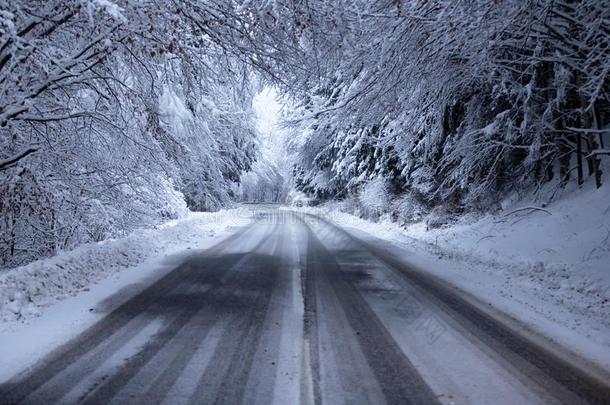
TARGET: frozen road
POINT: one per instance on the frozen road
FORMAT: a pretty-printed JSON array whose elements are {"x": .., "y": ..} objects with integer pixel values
[{"x": 292, "y": 309}]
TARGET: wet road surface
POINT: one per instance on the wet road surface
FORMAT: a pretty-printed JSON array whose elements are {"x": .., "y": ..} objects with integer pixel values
[{"x": 292, "y": 309}]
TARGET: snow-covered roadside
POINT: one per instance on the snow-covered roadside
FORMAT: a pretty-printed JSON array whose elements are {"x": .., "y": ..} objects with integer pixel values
[
  {"x": 25, "y": 290},
  {"x": 549, "y": 269},
  {"x": 47, "y": 302}
]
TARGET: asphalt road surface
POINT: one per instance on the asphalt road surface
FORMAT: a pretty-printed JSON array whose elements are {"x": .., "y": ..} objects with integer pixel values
[{"x": 293, "y": 309}]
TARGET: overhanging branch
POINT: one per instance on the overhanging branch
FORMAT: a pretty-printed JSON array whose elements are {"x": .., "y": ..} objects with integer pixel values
[{"x": 12, "y": 161}]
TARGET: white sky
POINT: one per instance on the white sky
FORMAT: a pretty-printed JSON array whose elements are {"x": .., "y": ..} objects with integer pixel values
[{"x": 267, "y": 110}]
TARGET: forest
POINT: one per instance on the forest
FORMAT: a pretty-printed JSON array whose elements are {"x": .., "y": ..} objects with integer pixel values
[{"x": 117, "y": 115}]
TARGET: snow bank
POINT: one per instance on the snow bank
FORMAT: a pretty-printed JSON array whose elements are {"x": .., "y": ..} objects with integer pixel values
[
  {"x": 560, "y": 254},
  {"x": 25, "y": 290},
  {"x": 549, "y": 268}
]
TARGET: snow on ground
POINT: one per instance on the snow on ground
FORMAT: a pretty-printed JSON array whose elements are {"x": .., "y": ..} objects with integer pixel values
[
  {"x": 47, "y": 302},
  {"x": 25, "y": 290},
  {"x": 550, "y": 268}
]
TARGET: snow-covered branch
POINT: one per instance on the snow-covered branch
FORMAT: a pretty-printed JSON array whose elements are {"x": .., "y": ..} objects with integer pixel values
[{"x": 13, "y": 160}]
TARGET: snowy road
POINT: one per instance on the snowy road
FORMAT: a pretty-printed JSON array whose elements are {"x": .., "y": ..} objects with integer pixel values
[{"x": 292, "y": 309}]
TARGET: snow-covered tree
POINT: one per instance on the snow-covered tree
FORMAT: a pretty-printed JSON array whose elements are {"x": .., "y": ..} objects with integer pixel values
[
  {"x": 116, "y": 114},
  {"x": 113, "y": 115},
  {"x": 458, "y": 102}
]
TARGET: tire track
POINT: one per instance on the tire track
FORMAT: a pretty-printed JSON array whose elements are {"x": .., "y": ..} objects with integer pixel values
[
  {"x": 193, "y": 305},
  {"x": 546, "y": 366},
  {"x": 197, "y": 334},
  {"x": 224, "y": 381},
  {"x": 396, "y": 376},
  {"x": 310, "y": 334},
  {"x": 147, "y": 301}
]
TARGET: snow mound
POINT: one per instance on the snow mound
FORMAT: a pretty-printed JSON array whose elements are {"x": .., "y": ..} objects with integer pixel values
[{"x": 25, "y": 290}]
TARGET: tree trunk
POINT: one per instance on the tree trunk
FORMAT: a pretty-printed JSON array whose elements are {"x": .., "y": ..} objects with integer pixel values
[
  {"x": 565, "y": 153},
  {"x": 579, "y": 159},
  {"x": 597, "y": 126}
]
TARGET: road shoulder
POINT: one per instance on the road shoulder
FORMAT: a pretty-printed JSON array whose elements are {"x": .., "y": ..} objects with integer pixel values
[{"x": 23, "y": 342}]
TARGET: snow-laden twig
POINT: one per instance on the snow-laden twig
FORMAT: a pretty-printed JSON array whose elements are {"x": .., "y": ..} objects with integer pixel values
[
  {"x": 531, "y": 209},
  {"x": 524, "y": 212},
  {"x": 486, "y": 237},
  {"x": 12, "y": 161},
  {"x": 597, "y": 152}
]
